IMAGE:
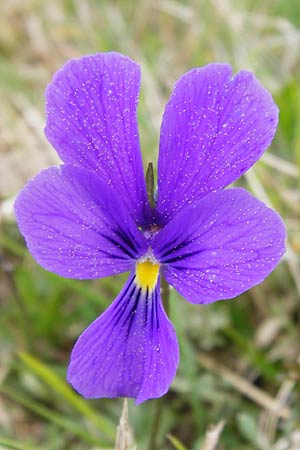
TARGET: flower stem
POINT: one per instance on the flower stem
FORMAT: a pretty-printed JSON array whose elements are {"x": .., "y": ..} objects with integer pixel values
[
  {"x": 150, "y": 184},
  {"x": 152, "y": 445}
]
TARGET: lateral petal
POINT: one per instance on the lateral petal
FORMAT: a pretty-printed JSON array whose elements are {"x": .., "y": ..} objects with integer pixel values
[
  {"x": 76, "y": 226},
  {"x": 214, "y": 128},
  {"x": 91, "y": 107},
  {"x": 131, "y": 350},
  {"x": 221, "y": 246}
]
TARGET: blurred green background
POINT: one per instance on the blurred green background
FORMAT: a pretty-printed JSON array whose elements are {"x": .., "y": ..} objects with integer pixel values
[{"x": 240, "y": 360}]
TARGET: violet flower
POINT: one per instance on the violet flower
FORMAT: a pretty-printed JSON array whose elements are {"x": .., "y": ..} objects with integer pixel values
[{"x": 90, "y": 217}]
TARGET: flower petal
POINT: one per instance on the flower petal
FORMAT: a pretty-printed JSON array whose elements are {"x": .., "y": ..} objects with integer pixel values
[
  {"x": 131, "y": 350},
  {"x": 76, "y": 226},
  {"x": 214, "y": 128},
  {"x": 221, "y": 246},
  {"x": 92, "y": 122}
]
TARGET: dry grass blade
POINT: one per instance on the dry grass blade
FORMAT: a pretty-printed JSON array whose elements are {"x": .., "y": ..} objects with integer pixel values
[
  {"x": 7, "y": 209},
  {"x": 212, "y": 436},
  {"x": 244, "y": 387},
  {"x": 269, "y": 421},
  {"x": 21, "y": 133},
  {"x": 281, "y": 165},
  {"x": 123, "y": 437}
]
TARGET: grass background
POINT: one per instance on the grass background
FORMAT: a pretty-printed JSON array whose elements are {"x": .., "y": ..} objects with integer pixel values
[{"x": 240, "y": 360}]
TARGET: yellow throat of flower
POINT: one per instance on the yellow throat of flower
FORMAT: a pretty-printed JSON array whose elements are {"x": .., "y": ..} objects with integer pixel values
[{"x": 146, "y": 275}]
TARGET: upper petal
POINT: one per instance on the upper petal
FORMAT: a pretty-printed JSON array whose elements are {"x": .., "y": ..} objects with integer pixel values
[
  {"x": 221, "y": 246},
  {"x": 76, "y": 226},
  {"x": 91, "y": 107},
  {"x": 131, "y": 350},
  {"x": 214, "y": 128}
]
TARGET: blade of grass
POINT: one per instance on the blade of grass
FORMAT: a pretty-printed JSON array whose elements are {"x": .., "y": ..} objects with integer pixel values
[
  {"x": 59, "y": 386},
  {"x": 51, "y": 416},
  {"x": 212, "y": 436},
  {"x": 256, "y": 357},
  {"x": 176, "y": 442},
  {"x": 14, "y": 445},
  {"x": 246, "y": 388}
]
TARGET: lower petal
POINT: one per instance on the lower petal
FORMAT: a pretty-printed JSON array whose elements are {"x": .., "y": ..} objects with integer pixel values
[{"x": 131, "y": 350}]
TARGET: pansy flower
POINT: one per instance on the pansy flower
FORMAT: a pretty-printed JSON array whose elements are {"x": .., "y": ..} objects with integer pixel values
[{"x": 91, "y": 217}]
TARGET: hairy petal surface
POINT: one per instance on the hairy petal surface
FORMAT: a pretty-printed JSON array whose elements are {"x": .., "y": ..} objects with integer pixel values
[
  {"x": 76, "y": 226},
  {"x": 131, "y": 350},
  {"x": 214, "y": 128},
  {"x": 221, "y": 246},
  {"x": 91, "y": 107}
]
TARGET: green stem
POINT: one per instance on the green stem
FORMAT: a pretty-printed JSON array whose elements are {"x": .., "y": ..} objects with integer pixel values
[
  {"x": 150, "y": 184},
  {"x": 155, "y": 424}
]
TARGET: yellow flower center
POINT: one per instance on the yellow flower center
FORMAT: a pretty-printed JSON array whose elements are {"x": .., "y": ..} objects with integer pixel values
[{"x": 146, "y": 275}]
